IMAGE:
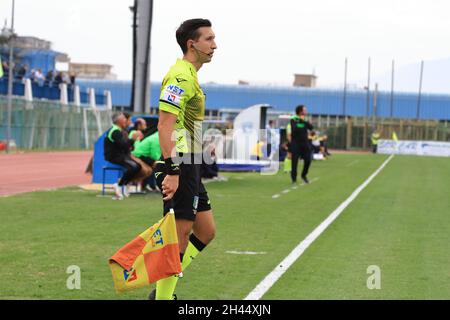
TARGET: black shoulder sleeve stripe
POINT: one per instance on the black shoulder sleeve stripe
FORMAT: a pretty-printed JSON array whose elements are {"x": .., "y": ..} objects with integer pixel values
[{"x": 168, "y": 102}]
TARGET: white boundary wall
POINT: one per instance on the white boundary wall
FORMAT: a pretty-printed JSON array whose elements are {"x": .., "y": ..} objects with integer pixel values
[{"x": 419, "y": 148}]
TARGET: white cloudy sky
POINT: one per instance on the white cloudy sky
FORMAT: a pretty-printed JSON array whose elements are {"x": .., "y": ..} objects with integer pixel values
[{"x": 259, "y": 40}]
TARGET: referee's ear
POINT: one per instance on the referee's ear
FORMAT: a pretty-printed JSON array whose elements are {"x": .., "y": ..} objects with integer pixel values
[{"x": 190, "y": 44}]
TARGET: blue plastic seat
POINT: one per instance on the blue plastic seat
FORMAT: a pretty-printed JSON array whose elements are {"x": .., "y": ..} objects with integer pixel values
[{"x": 109, "y": 166}]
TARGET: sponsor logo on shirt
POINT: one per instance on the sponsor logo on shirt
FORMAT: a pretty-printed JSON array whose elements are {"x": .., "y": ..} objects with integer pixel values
[
  {"x": 172, "y": 98},
  {"x": 172, "y": 93},
  {"x": 174, "y": 89}
]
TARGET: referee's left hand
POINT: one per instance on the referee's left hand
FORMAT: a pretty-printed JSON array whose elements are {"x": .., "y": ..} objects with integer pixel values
[{"x": 169, "y": 186}]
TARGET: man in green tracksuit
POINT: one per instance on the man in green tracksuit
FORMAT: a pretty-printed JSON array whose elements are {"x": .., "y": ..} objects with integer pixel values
[{"x": 148, "y": 149}]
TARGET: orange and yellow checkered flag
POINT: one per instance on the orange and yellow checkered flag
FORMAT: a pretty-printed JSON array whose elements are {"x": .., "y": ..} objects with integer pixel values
[{"x": 151, "y": 256}]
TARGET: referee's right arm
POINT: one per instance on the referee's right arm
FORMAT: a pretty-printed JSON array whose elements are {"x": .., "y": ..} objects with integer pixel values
[{"x": 165, "y": 128}]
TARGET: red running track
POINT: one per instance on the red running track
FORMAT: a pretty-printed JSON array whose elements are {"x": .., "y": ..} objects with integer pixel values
[{"x": 33, "y": 171}]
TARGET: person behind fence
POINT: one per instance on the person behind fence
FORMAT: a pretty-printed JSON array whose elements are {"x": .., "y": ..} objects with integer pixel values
[
  {"x": 117, "y": 150},
  {"x": 49, "y": 78},
  {"x": 73, "y": 78},
  {"x": 22, "y": 72},
  {"x": 374, "y": 138},
  {"x": 65, "y": 78},
  {"x": 37, "y": 76}
]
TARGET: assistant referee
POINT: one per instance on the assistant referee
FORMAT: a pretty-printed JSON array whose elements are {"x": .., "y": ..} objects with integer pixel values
[{"x": 181, "y": 112}]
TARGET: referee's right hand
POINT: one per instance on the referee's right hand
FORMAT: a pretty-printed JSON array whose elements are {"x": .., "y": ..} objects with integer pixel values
[{"x": 169, "y": 186}]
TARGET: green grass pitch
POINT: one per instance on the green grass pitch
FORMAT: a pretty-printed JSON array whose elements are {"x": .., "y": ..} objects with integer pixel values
[{"x": 400, "y": 223}]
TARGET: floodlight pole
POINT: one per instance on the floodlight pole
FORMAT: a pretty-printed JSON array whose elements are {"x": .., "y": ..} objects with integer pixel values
[
  {"x": 392, "y": 90},
  {"x": 368, "y": 90},
  {"x": 420, "y": 92},
  {"x": 344, "y": 102}
]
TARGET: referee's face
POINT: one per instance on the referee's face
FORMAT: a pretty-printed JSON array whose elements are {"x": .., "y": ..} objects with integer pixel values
[{"x": 206, "y": 44}]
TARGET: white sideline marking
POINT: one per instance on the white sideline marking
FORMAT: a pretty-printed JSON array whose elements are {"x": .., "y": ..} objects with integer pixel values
[
  {"x": 277, "y": 195},
  {"x": 313, "y": 179},
  {"x": 246, "y": 252},
  {"x": 284, "y": 265}
]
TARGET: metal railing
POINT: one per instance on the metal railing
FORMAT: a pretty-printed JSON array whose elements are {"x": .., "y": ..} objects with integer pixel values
[{"x": 44, "y": 124}]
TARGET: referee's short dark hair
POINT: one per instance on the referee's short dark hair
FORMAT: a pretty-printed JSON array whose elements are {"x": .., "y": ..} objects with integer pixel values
[
  {"x": 299, "y": 109},
  {"x": 188, "y": 30}
]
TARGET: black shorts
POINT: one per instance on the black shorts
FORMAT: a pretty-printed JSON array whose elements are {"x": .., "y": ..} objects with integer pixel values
[{"x": 191, "y": 196}]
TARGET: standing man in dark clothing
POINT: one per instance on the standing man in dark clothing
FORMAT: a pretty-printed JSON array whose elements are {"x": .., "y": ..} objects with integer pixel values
[
  {"x": 117, "y": 149},
  {"x": 297, "y": 132},
  {"x": 22, "y": 73}
]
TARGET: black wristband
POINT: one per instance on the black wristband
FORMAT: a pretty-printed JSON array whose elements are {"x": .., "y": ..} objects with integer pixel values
[{"x": 172, "y": 169}]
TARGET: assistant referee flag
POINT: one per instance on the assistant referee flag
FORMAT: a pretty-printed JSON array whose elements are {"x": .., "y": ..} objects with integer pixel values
[
  {"x": 394, "y": 136},
  {"x": 151, "y": 256}
]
